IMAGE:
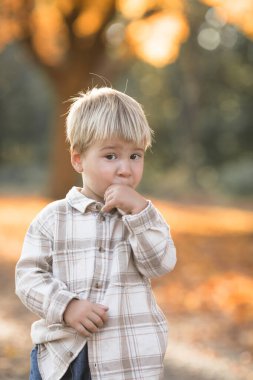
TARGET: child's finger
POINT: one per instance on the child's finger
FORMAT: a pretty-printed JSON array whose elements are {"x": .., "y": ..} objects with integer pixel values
[
  {"x": 107, "y": 192},
  {"x": 90, "y": 326},
  {"x": 107, "y": 207},
  {"x": 101, "y": 311},
  {"x": 97, "y": 320},
  {"x": 106, "y": 308},
  {"x": 82, "y": 330}
]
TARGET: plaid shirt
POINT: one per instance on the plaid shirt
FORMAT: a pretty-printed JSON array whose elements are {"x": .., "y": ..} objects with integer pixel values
[{"x": 73, "y": 250}]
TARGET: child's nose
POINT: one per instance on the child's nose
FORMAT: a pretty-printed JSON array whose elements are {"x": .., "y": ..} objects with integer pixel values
[{"x": 124, "y": 168}]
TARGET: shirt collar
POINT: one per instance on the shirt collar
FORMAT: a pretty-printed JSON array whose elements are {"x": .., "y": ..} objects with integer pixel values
[{"x": 80, "y": 202}]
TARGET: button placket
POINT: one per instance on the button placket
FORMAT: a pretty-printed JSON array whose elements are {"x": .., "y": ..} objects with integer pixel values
[
  {"x": 101, "y": 217},
  {"x": 97, "y": 284}
]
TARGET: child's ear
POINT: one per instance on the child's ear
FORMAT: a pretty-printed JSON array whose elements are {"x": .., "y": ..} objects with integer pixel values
[{"x": 76, "y": 161}]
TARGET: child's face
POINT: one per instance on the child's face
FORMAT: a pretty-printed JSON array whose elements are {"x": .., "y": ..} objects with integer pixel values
[{"x": 107, "y": 163}]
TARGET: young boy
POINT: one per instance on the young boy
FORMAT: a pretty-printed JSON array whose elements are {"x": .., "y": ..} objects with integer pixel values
[{"x": 87, "y": 260}]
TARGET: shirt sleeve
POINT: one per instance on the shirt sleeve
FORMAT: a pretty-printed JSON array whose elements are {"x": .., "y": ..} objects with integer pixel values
[
  {"x": 151, "y": 242},
  {"x": 35, "y": 285}
]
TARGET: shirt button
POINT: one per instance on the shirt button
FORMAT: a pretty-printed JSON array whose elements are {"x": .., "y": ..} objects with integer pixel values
[
  {"x": 70, "y": 354},
  {"x": 98, "y": 285},
  {"x": 100, "y": 249}
]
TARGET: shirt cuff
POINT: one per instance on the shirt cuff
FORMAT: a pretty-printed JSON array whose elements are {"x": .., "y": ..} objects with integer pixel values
[
  {"x": 144, "y": 220},
  {"x": 58, "y": 305}
]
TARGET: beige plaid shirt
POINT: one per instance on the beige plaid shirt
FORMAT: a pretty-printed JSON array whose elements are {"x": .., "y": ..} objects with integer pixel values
[{"x": 73, "y": 250}]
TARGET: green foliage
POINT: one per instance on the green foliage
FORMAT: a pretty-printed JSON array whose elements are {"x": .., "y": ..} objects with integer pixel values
[
  {"x": 26, "y": 109},
  {"x": 201, "y": 110}
]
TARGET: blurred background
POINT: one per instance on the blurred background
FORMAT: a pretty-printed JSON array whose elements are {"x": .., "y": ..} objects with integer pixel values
[{"x": 189, "y": 63}]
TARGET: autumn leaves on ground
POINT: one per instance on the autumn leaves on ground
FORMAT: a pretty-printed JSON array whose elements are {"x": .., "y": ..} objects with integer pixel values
[{"x": 207, "y": 299}]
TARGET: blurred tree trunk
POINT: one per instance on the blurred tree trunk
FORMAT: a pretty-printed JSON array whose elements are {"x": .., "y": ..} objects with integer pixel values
[
  {"x": 68, "y": 81},
  {"x": 85, "y": 56}
]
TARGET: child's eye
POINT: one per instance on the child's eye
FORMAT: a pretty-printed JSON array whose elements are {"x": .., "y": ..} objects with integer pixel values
[
  {"x": 111, "y": 156},
  {"x": 135, "y": 156}
]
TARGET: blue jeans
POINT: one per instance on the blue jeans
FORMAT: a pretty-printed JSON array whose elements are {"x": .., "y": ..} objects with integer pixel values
[{"x": 78, "y": 369}]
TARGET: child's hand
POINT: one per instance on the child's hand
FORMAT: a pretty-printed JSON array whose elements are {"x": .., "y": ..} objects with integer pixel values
[
  {"x": 125, "y": 198},
  {"x": 85, "y": 317}
]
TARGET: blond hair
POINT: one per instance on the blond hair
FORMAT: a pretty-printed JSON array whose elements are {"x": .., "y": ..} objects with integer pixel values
[{"x": 105, "y": 113}]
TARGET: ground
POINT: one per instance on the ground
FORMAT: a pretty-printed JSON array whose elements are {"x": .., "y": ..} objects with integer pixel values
[{"x": 207, "y": 298}]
